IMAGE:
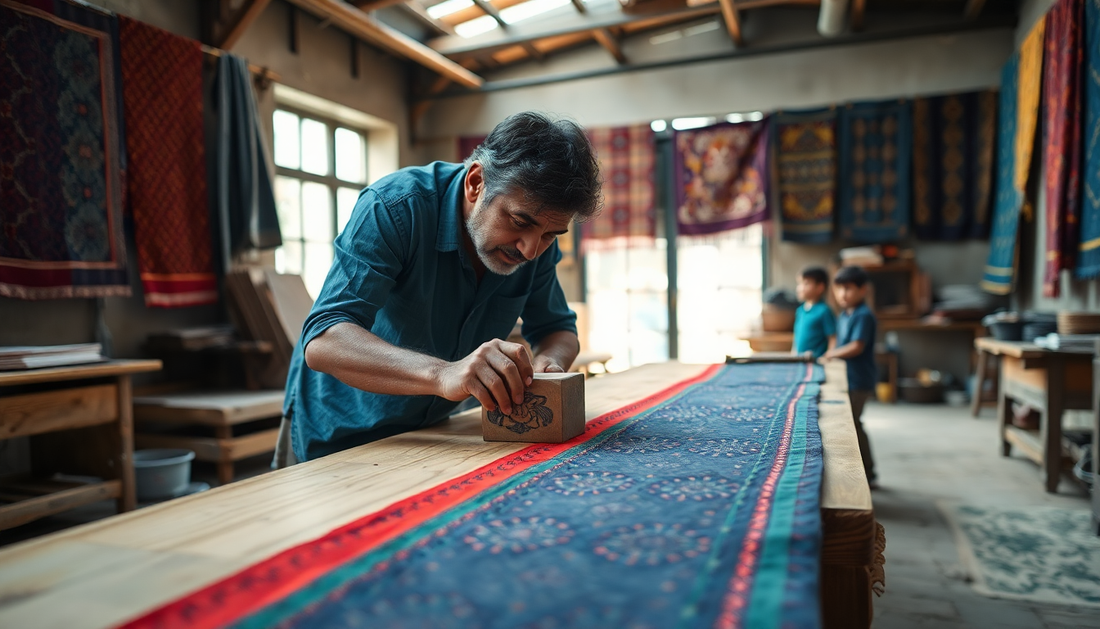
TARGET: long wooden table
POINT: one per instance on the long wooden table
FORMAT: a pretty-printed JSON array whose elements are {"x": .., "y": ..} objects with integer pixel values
[
  {"x": 102, "y": 573},
  {"x": 1049, "y": 381}
]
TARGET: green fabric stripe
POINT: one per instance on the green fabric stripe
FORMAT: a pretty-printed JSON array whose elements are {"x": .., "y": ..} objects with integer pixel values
[{"x": 771, "y": 571}]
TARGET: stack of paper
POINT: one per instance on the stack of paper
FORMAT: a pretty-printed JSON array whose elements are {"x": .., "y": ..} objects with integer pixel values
[{"x": 34, "y": 356}]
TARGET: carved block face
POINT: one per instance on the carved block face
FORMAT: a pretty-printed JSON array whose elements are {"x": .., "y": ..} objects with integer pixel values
[{"x": 531, "y": 414}]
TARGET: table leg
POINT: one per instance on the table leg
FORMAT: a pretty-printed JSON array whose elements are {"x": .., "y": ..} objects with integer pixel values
[
  {"x": 845, "y": 597},
  {"x": 1051, "y": 428},
  {"x": 1004, "y": 417},
  {"x": 128, "y": 499},
  {"x": 225, "y": 462},
  {"x": 979, "y": 383}
]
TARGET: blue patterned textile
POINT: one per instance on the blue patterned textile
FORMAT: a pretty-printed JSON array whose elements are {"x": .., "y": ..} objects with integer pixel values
[
  {"x": 1006, "y": 210},
  {"x": 875, "y": 155}
]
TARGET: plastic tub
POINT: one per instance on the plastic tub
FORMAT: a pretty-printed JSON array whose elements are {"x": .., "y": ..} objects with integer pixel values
[{"x": 162, "y": 473}]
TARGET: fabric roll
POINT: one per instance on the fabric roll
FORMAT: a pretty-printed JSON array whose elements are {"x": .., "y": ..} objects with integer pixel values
[
  {"x": 1062, "y": 124},
  {"x": 247, "y": 215},
  {"x": 721, "y": 177},
  {"x": 874, "y": 181},
  {"x": 627, "y": 163},
  {"x": 62, "y": 157},
  {"x": 805, "y": 166},
  {"x": 166, "y": 179}
]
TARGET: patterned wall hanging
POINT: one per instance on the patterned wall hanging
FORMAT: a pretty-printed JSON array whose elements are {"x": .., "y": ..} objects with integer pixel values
[
  {"x": 627, "y": 161},
  {"x": 875, "y": 156},
  {"x": 805, "y": 155}
]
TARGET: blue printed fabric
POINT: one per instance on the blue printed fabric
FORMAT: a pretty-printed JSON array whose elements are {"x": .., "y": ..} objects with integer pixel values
[{"x": 1000, "y": 267}]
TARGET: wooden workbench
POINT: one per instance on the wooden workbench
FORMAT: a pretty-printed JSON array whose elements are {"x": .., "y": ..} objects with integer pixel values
[
  {"x": 1050, "y": 381},
  {"x": 102, "y": 573},
  {"x": 79, "y": 419}
]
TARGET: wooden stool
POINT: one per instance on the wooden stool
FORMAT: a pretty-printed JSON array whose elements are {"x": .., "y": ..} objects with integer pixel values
[{"x": 220, "y": 410}]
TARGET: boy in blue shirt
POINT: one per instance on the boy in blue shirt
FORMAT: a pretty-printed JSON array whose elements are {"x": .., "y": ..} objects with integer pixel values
[
  {"x": 814, "y": 322},
  {"x": 856, "y": 344}
]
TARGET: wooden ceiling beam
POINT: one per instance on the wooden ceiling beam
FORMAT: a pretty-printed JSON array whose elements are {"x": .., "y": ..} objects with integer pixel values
[
  {"x": 859, "y": 9},
  {"x": 488, "y": 9},
  {"x": 733, "y": 21},
  {"x": 244, "y": 18},
  {"x": 367, "y": 6},
  {"x": 579, "y": 5},
  {"x": 973, "y": 9},
  {"x": 471, "y": 12},
  {"x": 416, "y": 10},
  {"x": 362, "y": 25},
  {"x": 608, "y": 41}
]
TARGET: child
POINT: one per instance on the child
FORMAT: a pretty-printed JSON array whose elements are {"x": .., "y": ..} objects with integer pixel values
[
  {"x": 856, "y": 344},
  {"x": 814, "y": 322}
]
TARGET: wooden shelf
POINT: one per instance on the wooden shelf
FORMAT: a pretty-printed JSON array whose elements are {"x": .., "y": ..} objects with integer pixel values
[{"x": 24, "y": 498}]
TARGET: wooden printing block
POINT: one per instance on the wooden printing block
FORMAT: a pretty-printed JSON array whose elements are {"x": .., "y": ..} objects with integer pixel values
[{"x": 552, "y": 411}]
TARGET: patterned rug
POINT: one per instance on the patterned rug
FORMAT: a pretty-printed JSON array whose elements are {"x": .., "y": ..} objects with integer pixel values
[
  {"x": 696, "y": 507},
  {"x": 1041, "y": 554}
]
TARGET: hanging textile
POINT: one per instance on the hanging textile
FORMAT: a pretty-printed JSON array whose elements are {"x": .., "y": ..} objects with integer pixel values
[
  {"x": 1062, "y": 119},
  {"x": 701, "y": 502},
  {"x": 953, "y": 144},
  {"x": 627, "y": 158},
  {"x": 61, "y": 153},
  {"x": 1088, "y": 253},
  {"x": 247, "y": 216},
  {"x": 467, "y": 144},
  {"x": 1006, "y": 212},
  {"x": 721, "y": 177},
  {"x": 1027, "y": 109},
  {"x": 875, "y": 154},
  {"x": 805, "y": 155},
  {"x": 166, "y": 179}
]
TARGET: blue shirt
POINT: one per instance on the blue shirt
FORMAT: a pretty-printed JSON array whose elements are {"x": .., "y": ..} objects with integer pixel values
[
  {"x": 859, "y": 326},
  {"x": 812, "y": 328},
  {"x": 401, "y": 271}
]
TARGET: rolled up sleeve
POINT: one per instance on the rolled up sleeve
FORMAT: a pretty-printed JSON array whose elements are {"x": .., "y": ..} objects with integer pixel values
[
  {"x": 546, "y": 310},
  {"x": 369, "y": 256}
]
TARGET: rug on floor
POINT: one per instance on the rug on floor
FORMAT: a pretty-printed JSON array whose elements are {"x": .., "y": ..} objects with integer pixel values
[{"x": 1041, "y": 554}]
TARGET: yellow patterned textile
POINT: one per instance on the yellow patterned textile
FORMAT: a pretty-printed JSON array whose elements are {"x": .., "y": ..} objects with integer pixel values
[{"x": 1027, "y": 105}]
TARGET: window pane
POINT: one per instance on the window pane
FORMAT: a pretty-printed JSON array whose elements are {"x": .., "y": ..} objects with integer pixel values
[
  {"x": 287, "y": 150},
  {"x": 316, "y": 212},
  {"x": 318, "y": 262},
  {"x": 345, "y": 203},
  {"x": 350, "y": 152},
  {"x": 288, "y": 258},
  {"x": 288, "y": 200},
  {"x": 314, "y": 147}
]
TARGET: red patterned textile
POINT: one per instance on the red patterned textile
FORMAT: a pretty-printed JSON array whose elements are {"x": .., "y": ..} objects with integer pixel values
[
  {"x": 1062, "y": 140},
  {"x": 626, "y": 157},
  {"x": 162, "y": 94}
]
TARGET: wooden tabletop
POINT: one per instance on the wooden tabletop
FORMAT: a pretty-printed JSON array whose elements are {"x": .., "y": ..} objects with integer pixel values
[
  {"x": 105, "y": 572},
  {"x": 78, "y": 372},
  {"x": 932, "y": 326},
  {"x": 1021, "y": 349}
]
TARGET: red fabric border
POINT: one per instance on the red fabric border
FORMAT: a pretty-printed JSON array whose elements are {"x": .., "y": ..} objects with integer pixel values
[{"x": 272, "y": 579}]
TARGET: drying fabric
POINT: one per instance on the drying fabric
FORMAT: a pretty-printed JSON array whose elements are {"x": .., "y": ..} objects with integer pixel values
[
  {"x": 696, "y": 507},
  {"x": 247, "y": 215},
  {"x": 805, "y": 155},
  {"x": 626, "y": 156},
  {"x": 953, "y": 144},
  {"x": 1088, "y": 252},
  {"x": 1001, "y": 264},
  {"x": 1029, "y": 87},
  {"x": 166, "y": 179},
  {"x": 1062, "y": 113},
  {"x": 875, "y": 155},
  {"x": 721, "y": 177},
  {"x": 61, "y": 153}
]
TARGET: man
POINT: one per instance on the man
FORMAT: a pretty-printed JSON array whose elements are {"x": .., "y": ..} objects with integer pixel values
[{"x": 431, "y": 272}]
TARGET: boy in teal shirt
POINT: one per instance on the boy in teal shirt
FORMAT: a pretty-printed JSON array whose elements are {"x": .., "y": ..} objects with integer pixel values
[{"x": 814, "y": 322}]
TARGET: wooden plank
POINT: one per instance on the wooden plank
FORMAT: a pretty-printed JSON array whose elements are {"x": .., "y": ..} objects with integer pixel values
[
  {"x": 214, "y": 408},
  {"x": 37, "y": 413},
  {"x": 181, "y": 545},
  {"x": 610, "y": 44},
  {"x": 78, "y": 372},
  {"x": 1016, "y": 349},
  {"x": 1027, "y": 441},
  {"x": 205, "y": 448},
  {"x": 245, "y": 17},
  {"x": 252, "y": 444},
  {"x": 360, "y": 24},
  {"x": 33, "y": 508},
  {"x": 733, "y": 21}
]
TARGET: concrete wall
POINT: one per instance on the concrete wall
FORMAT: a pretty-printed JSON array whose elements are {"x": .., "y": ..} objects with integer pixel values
[{"x": 321, "y": 68}]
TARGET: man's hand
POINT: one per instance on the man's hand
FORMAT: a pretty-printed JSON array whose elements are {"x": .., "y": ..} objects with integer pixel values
[
  {"x": 497, "y": 374},
  {"x": 545, "y": 364}
]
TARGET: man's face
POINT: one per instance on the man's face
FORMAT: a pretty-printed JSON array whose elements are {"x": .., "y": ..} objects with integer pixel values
[{"x": 507, "y": 234}]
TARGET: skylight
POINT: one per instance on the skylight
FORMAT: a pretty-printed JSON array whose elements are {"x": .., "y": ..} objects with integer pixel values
[
  {"x": 476, "y": 26},
  {"x": 448, "y": 7},
  {"x": 683, "y": 124},
  {"x": 529, "y": 9}
]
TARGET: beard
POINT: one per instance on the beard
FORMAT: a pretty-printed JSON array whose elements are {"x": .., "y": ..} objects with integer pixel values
[{"x": 479, "y": 230}]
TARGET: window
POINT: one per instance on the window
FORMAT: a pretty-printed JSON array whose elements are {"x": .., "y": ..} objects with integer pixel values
[{"x": 320, "y": 168}]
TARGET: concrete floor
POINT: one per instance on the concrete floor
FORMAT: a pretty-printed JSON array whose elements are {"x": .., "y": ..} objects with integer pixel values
[{"x": 926, "y": 454}]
